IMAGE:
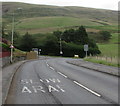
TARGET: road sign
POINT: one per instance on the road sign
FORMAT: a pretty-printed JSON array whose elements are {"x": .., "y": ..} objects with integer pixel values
[
  {"x": 86, "y": 47},
  {"x": 34, "y": 49}
]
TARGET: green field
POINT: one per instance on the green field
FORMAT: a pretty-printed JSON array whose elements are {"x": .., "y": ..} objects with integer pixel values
[
  {"x": 49, "y": 24},
  {"x": 113, "y": 28},
  {"x": 46, "y": 22},
  {"x": 110, "y": 48}
]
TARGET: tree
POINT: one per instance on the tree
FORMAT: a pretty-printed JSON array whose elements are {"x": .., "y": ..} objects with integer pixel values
[
  {"x": 58, "y": 34},
  {"x": 27, "y": 42},
  {"x": 51, "y": 46},
  {"x": 81, "y": 36},
  {"x": 69, "y": 35},
  {"x": 105, "y": 35}
]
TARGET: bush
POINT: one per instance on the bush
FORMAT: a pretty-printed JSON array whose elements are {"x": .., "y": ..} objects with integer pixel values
[
  {"x": 70, "y": 49},
  {"x": 105, "y": 35}
]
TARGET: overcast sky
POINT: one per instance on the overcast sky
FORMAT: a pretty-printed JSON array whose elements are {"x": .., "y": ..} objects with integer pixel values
[{"x": 103, "y": 4}]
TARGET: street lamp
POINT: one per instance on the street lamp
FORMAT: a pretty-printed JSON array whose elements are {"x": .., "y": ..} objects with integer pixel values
[
  {"x": 13, "y": 25},
  {"x": 60, "y": 46},
  {"x": 12, "y": 38}
]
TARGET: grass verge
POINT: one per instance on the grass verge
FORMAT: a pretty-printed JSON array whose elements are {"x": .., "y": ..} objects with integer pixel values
[{"x": 102, "y": 62}]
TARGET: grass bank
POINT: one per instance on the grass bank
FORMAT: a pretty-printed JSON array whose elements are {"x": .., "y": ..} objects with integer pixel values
[{"x": 102, "y": 62}]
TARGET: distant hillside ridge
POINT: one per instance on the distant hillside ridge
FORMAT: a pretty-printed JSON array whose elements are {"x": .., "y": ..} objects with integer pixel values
[{"x": 33, "y": 10}]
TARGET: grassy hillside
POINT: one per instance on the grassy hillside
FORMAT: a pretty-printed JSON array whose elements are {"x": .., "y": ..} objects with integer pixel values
[
  {"x": 110, "y": 48},
  {"x": 44, "y": 18},
  {"x": 48, "y": 24}
]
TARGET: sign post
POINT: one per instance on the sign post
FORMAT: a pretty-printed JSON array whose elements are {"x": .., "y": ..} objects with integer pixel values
[{"x": 86, "y": 48}]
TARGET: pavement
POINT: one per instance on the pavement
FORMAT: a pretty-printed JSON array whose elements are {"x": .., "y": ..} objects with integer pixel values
[
  {"x": 54, "y": 81},
  {"x": 97, "y": 67},
  {"x": 7, "y": 75}
]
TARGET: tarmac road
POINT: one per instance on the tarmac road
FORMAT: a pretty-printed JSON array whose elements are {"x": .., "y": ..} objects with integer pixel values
[{"x": 53, "y": 81}]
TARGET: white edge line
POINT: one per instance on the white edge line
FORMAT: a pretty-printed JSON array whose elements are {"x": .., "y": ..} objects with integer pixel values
[
  {"x": 62, "y": 74},
  {"x": 52, "y": 68},
  {"x": 87, "y": 89}
]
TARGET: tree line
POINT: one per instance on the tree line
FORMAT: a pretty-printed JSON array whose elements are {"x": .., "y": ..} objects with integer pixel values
[{"x": 72, "y": 42}]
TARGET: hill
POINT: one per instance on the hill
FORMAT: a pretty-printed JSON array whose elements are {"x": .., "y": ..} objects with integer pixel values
[{"x": 44, "y": 18}]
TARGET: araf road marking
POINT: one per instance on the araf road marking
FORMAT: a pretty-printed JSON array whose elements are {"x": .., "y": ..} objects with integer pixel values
[
  {"x": 62, "y": 74},
  {"x": 87, "y": 89},
  {"x": 38, "y": 88},
  {"x": 25, "y": 89},
  {"x": 52, "y": 68},
  {"x": 47, "y": 80},
  {"x": 51, "y": 89}
]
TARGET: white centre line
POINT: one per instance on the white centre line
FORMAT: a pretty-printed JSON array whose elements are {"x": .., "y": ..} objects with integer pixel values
[
  {"x": 87, "y": 89},
  {"x": 62, "y": 74},
  {"x": 52, "y": 68}
]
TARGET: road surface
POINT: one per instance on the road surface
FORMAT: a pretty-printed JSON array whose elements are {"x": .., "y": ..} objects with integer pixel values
[{"x": 53, "y": 81}]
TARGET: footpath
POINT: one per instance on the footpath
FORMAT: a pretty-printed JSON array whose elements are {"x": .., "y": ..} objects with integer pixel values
[
  {"x": 7, "y": 75},
  {"x": 97, "y": 67}
]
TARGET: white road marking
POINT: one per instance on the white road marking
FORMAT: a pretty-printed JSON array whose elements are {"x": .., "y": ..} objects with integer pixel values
[
  {"x": 51, "y": 89},
  {"x": 60, "y": 88},
  {"x": 41, "y": 80},
  {"x": 47, "y": 80},
  {"x": 47, "y": 64},
  {"x": 24, "y": 81},
  {"x": 25, "y": 89},
  {"x": 62, "y": 74},
  {"x": 52, "y": 68},
  {"x": 87, "y": 89},
  {"x": 38, "y": 88}
]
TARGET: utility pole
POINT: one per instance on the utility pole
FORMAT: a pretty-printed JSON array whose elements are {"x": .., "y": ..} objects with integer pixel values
[{"x": 13, "y": 19}]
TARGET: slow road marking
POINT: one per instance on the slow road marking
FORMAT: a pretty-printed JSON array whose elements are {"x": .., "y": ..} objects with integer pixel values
[{"x": 87, "y": 89}]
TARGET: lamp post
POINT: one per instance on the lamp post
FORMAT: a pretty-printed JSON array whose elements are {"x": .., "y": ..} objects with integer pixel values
[
  {"x": 13, "y": 19},
  {"x": 12, "y": 38},
  {"x": 60, "y": 46}
]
